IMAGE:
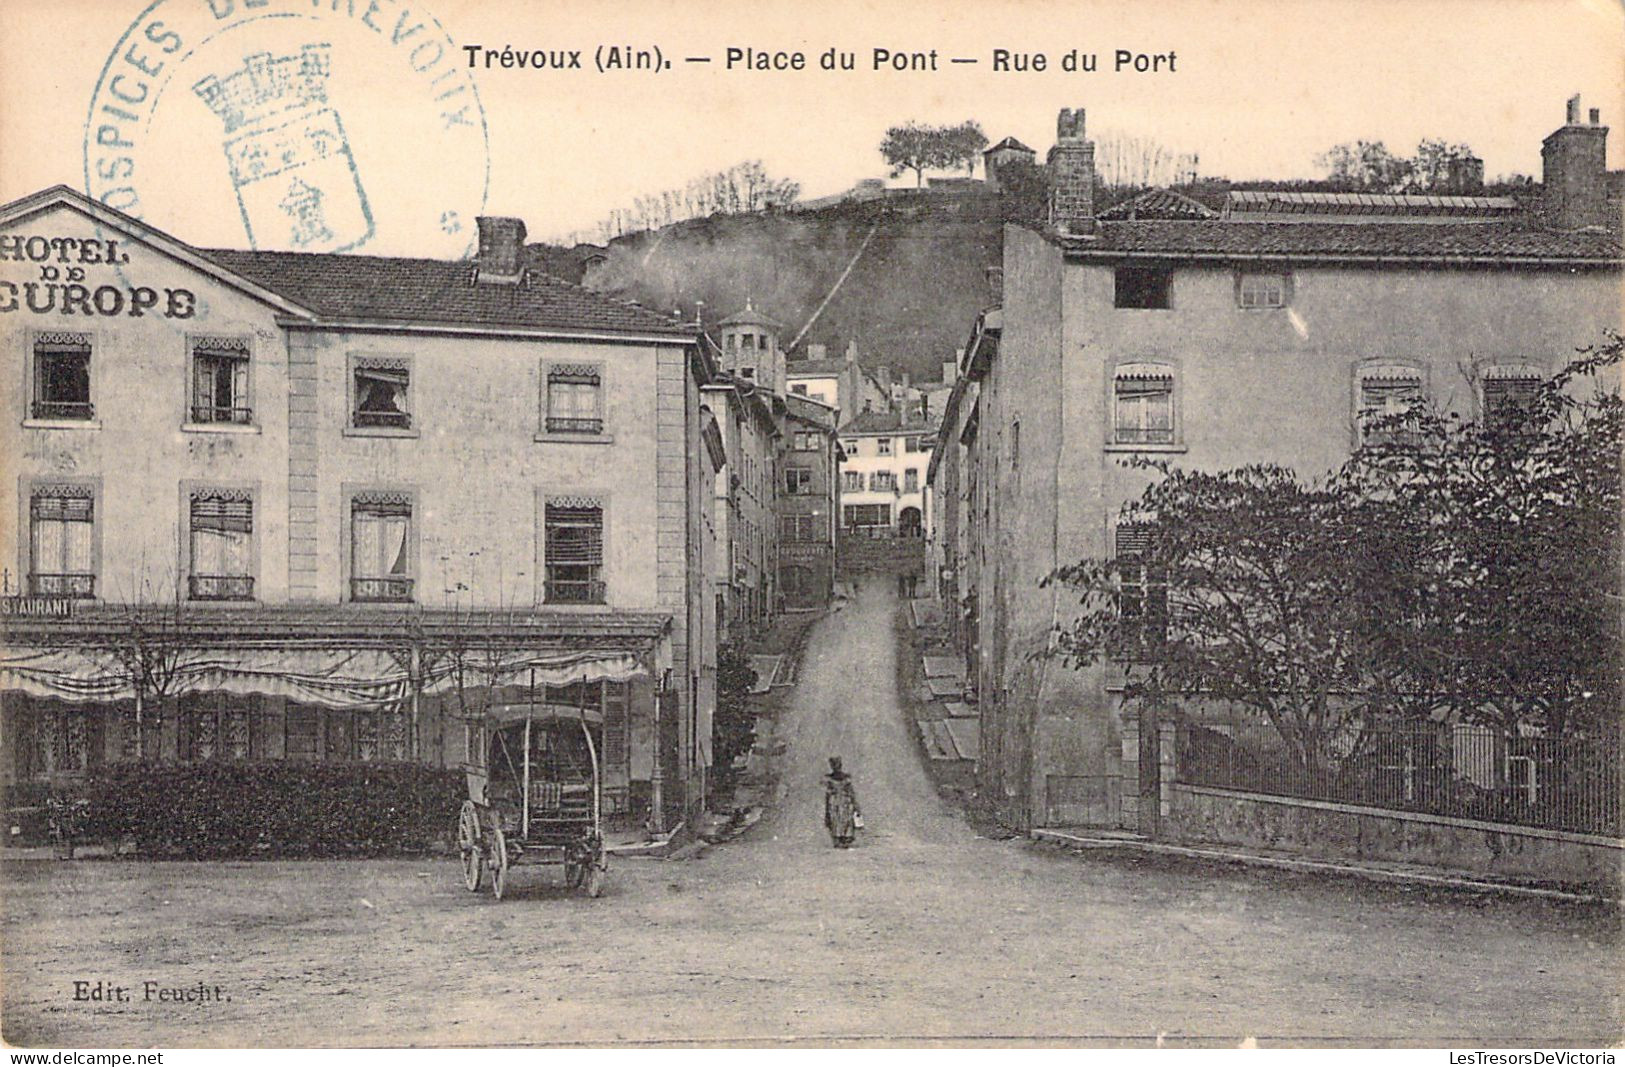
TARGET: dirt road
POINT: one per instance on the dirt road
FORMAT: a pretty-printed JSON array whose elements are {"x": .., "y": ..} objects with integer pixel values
[{"x": 924, "y": 932}]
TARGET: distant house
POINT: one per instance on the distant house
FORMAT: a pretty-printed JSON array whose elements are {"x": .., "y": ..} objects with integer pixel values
[{"x": 883, "y": 477}]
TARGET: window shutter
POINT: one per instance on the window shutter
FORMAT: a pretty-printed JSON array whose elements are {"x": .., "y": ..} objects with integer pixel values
[{"x": 226, "y": 513}]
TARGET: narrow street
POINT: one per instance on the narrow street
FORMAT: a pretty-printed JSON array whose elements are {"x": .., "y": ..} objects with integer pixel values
[{"x": 924, "y": 932}]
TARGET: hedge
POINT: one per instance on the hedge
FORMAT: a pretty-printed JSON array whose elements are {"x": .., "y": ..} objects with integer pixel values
[{"x": 278, "y": 808}]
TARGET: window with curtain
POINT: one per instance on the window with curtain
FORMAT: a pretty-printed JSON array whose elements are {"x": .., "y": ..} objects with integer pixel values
[
  {"x": 573, "y": 549},
  {"x": 220, "y": 382},
  {"x": 852, "y": 481},
  {"x": 62, "y": 527},
  {"x": 221, "y": 544},
  {"x": 381, "y": 547},
  {"x": 382, "y": 393},
  {"x": 574, "y": 399},
  {"x": 1143, "y": 405}
]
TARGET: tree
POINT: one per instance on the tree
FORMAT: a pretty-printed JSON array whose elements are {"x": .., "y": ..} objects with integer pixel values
[
  {"x": 733, "y": 728},
  {"x": 918, "y": 148},
  {"x": 1241, "y": 593},
  {"x": 1438, "y": 166},
  {"x": 1496, "y": 587}
]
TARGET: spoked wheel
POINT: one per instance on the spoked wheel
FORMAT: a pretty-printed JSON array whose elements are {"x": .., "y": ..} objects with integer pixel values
[
  {"x": 499, "y": 863},
  {"x": 468, "y": 843}
]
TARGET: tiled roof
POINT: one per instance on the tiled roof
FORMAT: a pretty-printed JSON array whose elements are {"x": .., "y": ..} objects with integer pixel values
[
  {"x": 1158, "y": 204},
  {"x": 1459, "y": 243},
  {"x": 885, "y": 422},
  {"x": 433, "y": 291},
  {"x": 749, "y": 317},
  {"x": 1008, "y": 142}
]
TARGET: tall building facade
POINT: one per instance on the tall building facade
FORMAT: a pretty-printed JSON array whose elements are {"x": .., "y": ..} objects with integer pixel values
[
  {"x": 1212, "y": 343},
  {"x": 324, "y": 507}
]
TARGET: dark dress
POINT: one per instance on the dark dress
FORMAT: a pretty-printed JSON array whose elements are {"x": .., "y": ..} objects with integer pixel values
[{"x": 840, "y": 809}]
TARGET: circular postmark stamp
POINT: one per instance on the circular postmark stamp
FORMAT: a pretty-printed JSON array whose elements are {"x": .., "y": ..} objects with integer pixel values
[{"x": 292, "y": 125}]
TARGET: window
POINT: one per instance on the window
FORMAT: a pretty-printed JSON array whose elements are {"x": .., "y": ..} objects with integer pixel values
[
  {"x": 798, "y": 481},
  {"x": 867, "y": 514},
  {"x": 220, "y": 381},
  {"x": 849, "y": 447},
  {"x": 221, "y": 545},
  {"x": 61, "y": 541},
  {"x": 883, "y": 446},
  {"x": 911, "y": 444},
  {"x": 911, "y": 480},
  {"x": 1143, "y": 405},
  {"x": 573, "y": 548},
  {"x": 575, "y": 399},
  {"x": 798, "y": 389},
  {"x": 852, "y": 481},
  {"x": 1015, "y": 444},
  {"x": 62, "y": 377},
  {"x": 1142, "y": 604},
  {"x": 382, "y": 393},
  {"x": 381, "y": 547},
  {"x": 1142, "y": 287},
  {"x": 1507, "y": 392},
  {"x": 806, "y": 442},
  {"x": 212, "y": 726},
  {"x": 1386, "y": 394},
  {"x": 1262, "y": 290},
  {"x": 882, "y": 482},
  {"x": 799, "y": 527}
]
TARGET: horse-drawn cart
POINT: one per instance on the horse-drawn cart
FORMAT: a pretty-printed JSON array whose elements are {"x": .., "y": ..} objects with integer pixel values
[{"x": 534, "y": 796}]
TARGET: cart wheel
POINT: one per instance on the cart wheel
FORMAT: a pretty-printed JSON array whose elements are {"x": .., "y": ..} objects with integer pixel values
[
  {"x": 468, "y": 843},
  {"x": 499, "y": 863},
  {"x": 595, "y": 879}
]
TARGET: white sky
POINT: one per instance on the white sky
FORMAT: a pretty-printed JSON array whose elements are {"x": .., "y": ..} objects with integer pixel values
[{"x": 1262, "y": 87}]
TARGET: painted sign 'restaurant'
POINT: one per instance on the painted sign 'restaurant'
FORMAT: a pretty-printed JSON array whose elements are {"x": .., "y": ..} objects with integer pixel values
[{"x": 61, "y": 287}]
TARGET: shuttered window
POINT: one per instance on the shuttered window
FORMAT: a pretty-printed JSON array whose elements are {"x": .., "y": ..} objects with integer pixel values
[
  {"x": 222, "y": 556},
  {"x": 574, "y": 551},
  {"x": 1507, "y": 394},
  {"x": 1387, "y": 394},
  {"x": 1142, "y": 589},
  {"x": 1143, "y": 402},
  {"x": 574, "y": 399},
  {"x": 62, "y": 527},
  {"x": 381, "y": 547}
]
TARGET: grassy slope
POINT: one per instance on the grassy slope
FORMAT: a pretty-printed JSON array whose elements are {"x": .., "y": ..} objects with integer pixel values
[{"x": 909, "y": 301}]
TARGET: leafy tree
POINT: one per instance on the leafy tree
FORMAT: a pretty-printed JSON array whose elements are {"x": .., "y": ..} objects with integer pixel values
[
  {"x": 1437, "y": 166},
  {"x": 918, "y": 148},
  {"x": 1242, "y": 594},
  {"x": 1495, "y": 590}
]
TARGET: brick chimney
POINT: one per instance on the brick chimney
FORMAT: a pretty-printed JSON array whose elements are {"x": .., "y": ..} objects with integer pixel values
[
  {"x": 1574, "y": 172},
  {"x": 1072, "y": 176},
  {"x": 501, "y": 258}
]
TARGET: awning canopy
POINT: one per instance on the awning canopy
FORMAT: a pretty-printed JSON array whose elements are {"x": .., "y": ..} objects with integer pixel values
[{"x": 88, "y": 659}]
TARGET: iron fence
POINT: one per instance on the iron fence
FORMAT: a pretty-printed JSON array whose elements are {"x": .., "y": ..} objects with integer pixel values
[{"x": 1461, "y": 770}]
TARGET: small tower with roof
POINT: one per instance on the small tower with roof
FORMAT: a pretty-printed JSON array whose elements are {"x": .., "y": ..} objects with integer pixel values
[{"x": 750, "y": 348}]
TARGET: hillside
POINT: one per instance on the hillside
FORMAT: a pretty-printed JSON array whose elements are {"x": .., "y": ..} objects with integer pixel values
[{"x": 909, "y": 300}]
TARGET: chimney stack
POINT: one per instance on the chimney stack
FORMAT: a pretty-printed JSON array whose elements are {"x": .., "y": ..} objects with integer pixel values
[
  {"x": 1072, "y": 176},
  {"x": 816, "y": 352},
  {"x": 501, "y": 257},
  {"x": 1574, "y": 173},
  {"x": 950, "y": 367}
]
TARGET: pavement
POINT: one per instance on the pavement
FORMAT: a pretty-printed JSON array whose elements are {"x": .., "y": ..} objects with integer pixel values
[{"x": 926, "y": 933}]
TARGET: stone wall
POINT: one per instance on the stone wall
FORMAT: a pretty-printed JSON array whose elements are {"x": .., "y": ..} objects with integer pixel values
[{"x": 1326, "y": 830}]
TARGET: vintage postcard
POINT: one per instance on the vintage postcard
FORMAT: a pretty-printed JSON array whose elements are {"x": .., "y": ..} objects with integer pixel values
[{"x": 536, "y": 522}]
